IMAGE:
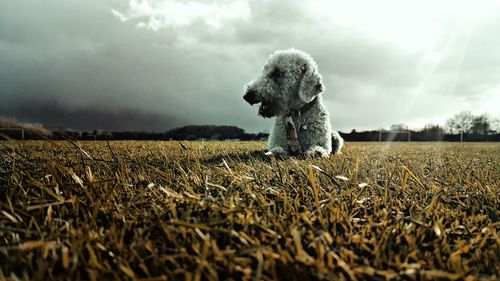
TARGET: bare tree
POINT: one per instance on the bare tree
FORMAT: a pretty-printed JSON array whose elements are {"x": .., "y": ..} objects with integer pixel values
[
  {"x": 462, "y": 122},
  {"x": 481, "y": 124},
  {"x": 432, "y": 129},
  {"x": 399, "y": 127},
  {"x": 450, "y": 125},
  {"x": 495, "y": 125}
]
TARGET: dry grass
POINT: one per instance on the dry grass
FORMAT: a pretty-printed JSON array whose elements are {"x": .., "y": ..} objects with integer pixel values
[{"x": 218, "y": 210}]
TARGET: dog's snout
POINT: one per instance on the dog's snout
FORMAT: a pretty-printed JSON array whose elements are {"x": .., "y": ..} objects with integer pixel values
[{"x": 251, "y": 97}]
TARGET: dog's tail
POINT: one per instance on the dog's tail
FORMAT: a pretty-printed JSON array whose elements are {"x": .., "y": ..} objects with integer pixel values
[{"x": 337, "y": 142}]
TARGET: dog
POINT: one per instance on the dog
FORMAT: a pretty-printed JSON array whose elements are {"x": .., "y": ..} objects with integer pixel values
[{"x": 290, "y": 89}]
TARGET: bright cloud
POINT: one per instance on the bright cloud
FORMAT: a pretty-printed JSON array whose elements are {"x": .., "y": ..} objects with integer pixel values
[
  {"x": 155, "y": 15},
  {"x": 417, "y": 25}
]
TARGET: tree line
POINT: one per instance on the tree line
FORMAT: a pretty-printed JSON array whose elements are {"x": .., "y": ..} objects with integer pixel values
[{"x": 463, "y": 126}]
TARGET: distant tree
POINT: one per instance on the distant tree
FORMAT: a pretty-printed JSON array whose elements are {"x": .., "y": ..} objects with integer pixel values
[
  {"x": 461, "y": 122},
  {"x": 450, "y": 125},
  {"x": 495, "y": 125},
  {"x": 432, "y": 129},
  {"x": 480, "y": 124},
  {"x": 399, "y": 127},
  {"x": 31, "y": 130},
  {"x": 206, "y": 131}
]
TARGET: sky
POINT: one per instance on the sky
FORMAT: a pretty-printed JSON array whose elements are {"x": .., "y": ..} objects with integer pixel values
[{"x": 160, "y": 64}]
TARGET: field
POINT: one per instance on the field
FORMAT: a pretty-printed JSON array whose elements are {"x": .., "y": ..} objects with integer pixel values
[{"x": 224, "y": 210}]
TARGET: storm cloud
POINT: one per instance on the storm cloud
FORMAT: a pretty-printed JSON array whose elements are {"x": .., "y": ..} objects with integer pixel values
[
  {"x": 118, "y": 65},
  {"x": 51, "y": 112}
]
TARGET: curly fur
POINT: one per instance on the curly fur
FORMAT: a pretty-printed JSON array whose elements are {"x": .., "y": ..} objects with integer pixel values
[{"x": 289, "y": 81}]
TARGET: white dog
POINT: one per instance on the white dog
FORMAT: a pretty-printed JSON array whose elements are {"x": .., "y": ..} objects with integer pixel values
[{"x": 289, "y": 89}]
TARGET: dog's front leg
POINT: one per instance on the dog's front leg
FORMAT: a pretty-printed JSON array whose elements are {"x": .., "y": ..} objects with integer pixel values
[{"x": 278, "y": 142}]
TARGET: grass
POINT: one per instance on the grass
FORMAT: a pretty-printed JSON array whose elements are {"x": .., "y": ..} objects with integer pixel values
[{"x": 223, "y": 210}]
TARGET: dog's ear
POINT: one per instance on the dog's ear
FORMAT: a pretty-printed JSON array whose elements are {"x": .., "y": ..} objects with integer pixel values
[{"x": 311, "y": 84}]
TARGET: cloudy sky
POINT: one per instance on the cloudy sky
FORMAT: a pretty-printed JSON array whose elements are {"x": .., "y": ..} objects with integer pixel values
[{"x": 159, "y": 64}]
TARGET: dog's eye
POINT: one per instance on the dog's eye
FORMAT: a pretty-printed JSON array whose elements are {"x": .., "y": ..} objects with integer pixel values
[{"x": 276, "y": 74}]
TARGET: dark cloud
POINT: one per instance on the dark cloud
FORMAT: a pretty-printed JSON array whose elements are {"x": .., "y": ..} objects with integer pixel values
[{"x": 88, "y": 118}]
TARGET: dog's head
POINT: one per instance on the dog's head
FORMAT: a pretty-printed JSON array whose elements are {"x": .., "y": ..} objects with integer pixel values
[{"x": 289, "y": 80}]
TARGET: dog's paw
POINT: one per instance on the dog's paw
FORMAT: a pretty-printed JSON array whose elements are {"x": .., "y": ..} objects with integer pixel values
[
  {"x": 316, "y": 152},
  {"x": 277, "y": 151}
]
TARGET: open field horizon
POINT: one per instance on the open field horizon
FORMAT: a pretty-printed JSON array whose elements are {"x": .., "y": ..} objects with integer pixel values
[{"x": 160, "y": 210}]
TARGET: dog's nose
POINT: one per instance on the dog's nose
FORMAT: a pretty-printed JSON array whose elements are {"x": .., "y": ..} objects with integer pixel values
[{"x": 251, "y": 97}]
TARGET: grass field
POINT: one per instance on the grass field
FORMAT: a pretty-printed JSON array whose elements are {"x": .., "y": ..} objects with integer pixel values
[{"x": 223, "y": 210}]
